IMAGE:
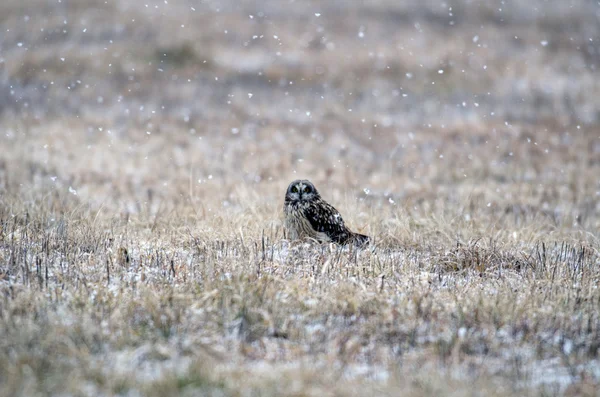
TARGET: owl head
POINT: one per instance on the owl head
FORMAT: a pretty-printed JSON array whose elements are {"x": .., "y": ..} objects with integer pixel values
[{"x": 301, "y": 190}]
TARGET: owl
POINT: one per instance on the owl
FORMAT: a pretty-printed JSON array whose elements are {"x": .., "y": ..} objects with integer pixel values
[{"x": 308, "y": 215}]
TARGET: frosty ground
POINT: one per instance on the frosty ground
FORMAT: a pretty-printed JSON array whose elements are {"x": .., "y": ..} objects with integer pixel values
[{"x": 146, "y": 148}]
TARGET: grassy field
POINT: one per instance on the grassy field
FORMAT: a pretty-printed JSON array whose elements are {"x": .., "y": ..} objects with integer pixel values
[{"x": 145, "y": 148}]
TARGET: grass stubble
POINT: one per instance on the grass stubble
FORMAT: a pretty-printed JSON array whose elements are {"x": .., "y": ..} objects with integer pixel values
[{"x": 141, "y": 187}]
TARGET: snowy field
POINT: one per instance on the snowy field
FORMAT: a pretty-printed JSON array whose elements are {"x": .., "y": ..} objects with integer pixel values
[{"x": 145, "y": 148}]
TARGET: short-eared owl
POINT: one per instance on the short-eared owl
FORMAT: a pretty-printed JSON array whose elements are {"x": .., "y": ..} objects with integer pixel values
[{"x": 308, "y": 215}]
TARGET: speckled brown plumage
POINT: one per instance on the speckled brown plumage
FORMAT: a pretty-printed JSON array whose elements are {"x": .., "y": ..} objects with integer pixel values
[{"x": 307, "y": 215}]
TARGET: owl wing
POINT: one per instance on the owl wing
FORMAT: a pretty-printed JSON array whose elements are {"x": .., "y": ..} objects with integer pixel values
[{"x": 324, "y": 218}]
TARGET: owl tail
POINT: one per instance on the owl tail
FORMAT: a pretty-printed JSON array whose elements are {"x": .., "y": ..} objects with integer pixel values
[{"x": 360, "y": 240}]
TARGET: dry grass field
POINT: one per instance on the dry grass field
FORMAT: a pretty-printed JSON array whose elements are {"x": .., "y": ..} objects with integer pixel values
[{"x": 145, "y": 148}]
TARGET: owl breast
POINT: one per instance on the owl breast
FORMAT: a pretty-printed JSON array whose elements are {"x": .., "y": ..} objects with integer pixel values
[{"x": 298, "y": 226}]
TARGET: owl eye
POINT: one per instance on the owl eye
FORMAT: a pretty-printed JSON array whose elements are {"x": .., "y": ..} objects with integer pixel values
[
  {"x": 294, "y": 189},
  {"x": 307, "y": 189}
]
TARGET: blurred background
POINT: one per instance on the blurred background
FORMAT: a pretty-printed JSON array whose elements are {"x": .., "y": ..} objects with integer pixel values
[{"x": 127, "y": 105}]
